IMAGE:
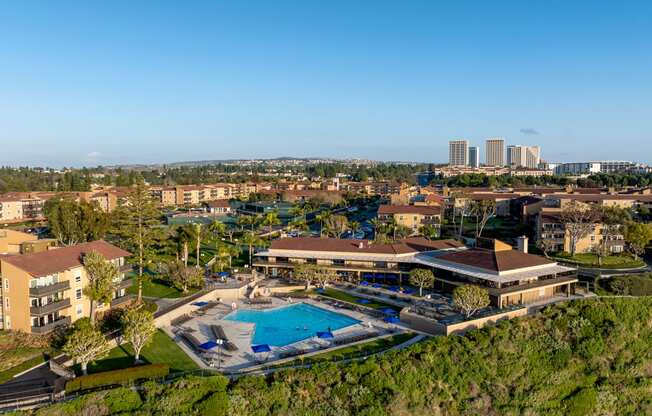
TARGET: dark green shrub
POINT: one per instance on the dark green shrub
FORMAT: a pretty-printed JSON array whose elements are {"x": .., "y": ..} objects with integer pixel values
[
  {"x": 216, "y": 404},
  {"x": 117, "y": 377}
]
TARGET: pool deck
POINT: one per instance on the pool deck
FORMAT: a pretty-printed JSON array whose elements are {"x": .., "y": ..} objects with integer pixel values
[{"x": 240, "y": 333}]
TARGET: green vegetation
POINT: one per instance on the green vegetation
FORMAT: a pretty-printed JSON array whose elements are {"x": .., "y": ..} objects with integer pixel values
[
  {"x": 157, "y": 288},
  {"x": 615, "y": 261},
  {"x": 162, "y": 350},
  {"x": 626, "y": 285},
  {"x": 8, "y": 374},
  {"x": 587, "y": 357},
  {"x": 123, "y": 377},
  {"x": 359, "y": 350}
]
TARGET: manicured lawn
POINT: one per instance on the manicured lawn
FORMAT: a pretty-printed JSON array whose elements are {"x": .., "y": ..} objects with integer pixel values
[
  {"x": 156, "y": 288},
  {"x": 162, "y": 350},
  {"x": 616, "y": 261},
  {"x": 343, "y": 296}
]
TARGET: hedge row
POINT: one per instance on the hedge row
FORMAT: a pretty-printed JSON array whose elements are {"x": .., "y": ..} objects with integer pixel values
[{"x": 117, "y": 377}]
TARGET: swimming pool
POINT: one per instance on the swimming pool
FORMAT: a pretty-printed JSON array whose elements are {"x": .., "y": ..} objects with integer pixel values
[{"x": 288, "y": 324}]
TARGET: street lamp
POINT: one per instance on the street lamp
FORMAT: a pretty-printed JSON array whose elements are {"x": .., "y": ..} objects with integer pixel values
[{"x": 219, "y": 343}]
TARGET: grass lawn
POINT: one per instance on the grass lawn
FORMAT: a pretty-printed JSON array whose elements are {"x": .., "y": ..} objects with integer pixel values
[
  {"x": 157, "y": 288},
  {"x": 343, "y": 296},
  {"x": 615, "y": 261},
  {"x": 161, "y": 350}
]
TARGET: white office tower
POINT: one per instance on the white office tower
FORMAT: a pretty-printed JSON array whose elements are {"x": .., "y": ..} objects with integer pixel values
[
  {"x": 474, "y": 157},
  {"x": 495, "y": 152},
  {"x": 519, "y": 156},
  {"x": 458, "y": 152}
]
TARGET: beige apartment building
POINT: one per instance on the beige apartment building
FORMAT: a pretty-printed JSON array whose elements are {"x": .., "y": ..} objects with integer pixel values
[
  {"x": 411, "y": 216},
  {"x": 44, "y": 290}
]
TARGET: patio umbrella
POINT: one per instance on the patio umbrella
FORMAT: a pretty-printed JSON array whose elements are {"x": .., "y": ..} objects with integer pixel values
[
  {"x": 223, "y": 274},
  {"x": 364, "y": 283},
  {"x": 320, "y": 290},
  {"x": 388, "y": 311},
  {"x": 392, "y": 319},
  {"x": 363, "y": 301},
  {"x": 200, "y": 304},
  {"x": 376, "y": 285},
  {"x": 325, "y": 335},
  {"x": 209, "y": 345},
  {"x": 261, "y": 348}
]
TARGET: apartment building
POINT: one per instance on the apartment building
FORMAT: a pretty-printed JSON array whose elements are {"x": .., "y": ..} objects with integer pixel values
[
  {"x": 382, "y": 188},
  {"x": 458, "y": 153},
  {"x": 495, "y": 152},
  {"x": 17, "y": 242},
  {"x": 44, "y": 290},
  {"x": 519, "y": 156},
  {"x": 511, "y": 277},
  {"x": 411, "y": 216}
]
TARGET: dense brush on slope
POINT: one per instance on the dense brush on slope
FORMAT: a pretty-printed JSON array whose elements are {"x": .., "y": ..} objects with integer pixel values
[{"x": 585, "y": 357}]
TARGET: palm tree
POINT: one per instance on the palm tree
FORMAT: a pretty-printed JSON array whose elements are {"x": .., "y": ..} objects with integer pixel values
[
  {"x": 299, "y": 225},
  {"x": 377, "y": 224},
  {"x": 182, "y": 238},
  {"x": 217, "y": 228},
  {"x": 297, "y": 211},
  {"x": 354, "y": 226},
  {"x": 251, "y": 240},
  {"x": 271, "y": 219},
  {"x": 194, "y": 233},
  {"x": 322, "y": 218}
]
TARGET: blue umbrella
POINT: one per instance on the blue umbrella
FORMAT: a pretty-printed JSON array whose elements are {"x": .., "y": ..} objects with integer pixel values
[
  {"x": 363, "y": 301},
  {"x": 224, "y": 274},
  {"x": 364, "y": 283},
  {"x": 202, "y": 303},
  {"x": 376, "y": 285},
  {"x": 392, "y": 319},
  {"x": 388, "y": 311},
  {"x": 261, "y": 348},
  {"x": 408, "y": 291},
  {"x": 325, "y": 335},
  {"x": 320, "y": 290},
  {"x": 209, "y": 345}
]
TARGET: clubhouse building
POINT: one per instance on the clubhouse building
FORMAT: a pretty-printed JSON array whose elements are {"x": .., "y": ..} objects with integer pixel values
[{"x": 511, "y": 277}]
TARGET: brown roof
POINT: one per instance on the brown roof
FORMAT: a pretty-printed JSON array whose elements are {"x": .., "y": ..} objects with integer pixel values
[
  {"x": 409, "y": 209},
  {"x": 496, "y": 261},
  {"x": 493, "y": 196},
  {"x": 406, "y": 246},
  {"x": 602, "y": 197},
  {"x": 219, "y": 203},
  {"x": 60, "y": 259}
]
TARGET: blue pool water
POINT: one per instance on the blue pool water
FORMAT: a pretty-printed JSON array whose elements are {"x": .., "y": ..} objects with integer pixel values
[{"x": 288, "y": 324}]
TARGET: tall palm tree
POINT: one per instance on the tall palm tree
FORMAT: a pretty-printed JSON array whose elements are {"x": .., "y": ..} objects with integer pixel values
[
  {"x": 251, "y": 240},
  {"x": 376, "y": 224},
  {"x": 322, "y": 217},
  {"x": 182, "y": 237},
  {"x": 271, "y": 219},
  {"x": 194, "y": 232},
  {"x": 217, "y": 228}
]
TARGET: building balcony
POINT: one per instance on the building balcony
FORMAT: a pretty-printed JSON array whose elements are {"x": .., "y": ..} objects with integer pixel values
[
  {"x": 49, "y": 327},
  {"x": 49, "y": 289},
  {"x": 342, "y": 267},
  {"x": 122, "y": 300},
  {"x": 50, "y": 307},
  {"x": 125, "y": 283},
  {"x": 126, "y": 268}
]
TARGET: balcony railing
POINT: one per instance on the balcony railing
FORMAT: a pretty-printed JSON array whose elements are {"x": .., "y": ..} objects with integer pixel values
[
  {"x": 49, "y": 289},
  {"x": 50, "y": 307},
  {"x": 49, "y": 327},
  {"x": 354, "y": 267}
]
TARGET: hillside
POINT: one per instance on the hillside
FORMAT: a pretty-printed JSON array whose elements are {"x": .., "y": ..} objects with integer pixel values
[{"x": 587, "y": 357}]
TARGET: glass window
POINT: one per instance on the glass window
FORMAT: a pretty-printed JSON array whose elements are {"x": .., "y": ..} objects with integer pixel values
[{"x": 78, "y": 293}]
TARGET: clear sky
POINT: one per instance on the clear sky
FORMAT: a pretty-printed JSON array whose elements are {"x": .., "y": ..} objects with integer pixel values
[{"x": 87, "y": 83}]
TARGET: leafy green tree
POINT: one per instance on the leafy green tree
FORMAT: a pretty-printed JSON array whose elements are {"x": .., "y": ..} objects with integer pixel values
[
  {"x": 102, "y": 276},
  {"x": 422, "y": 278},
  {"x": 183, "y": 277},
  {"x": 638, "y": 236},
  {"x": 85, "y": 344},
  {"x": 429, "y": 231},
  {"x": 136, "y": 228},
  {"x": 470, "y": 298},
  {"x": 73, "y": 222},
  {"x": 579, "y": 220},
  {"x": 138, "y": 329}
]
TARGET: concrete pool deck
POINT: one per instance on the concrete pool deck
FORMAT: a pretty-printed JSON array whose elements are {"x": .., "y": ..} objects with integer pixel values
[{"x": 241, "y": 333}]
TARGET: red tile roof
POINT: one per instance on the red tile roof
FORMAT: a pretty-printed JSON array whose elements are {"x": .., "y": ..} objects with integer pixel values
[
  {"x": 409, "y": 209},
  {"x": 496, "y": 261},
  {"x": 406, "y": 246},
  {"x": 60, "y": 259}
]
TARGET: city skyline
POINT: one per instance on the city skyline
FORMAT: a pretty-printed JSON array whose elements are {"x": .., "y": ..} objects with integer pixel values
[{"x": 103, "y": 84}]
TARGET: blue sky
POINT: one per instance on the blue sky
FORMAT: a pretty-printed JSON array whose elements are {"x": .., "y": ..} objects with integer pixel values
[{"x": 87, "y": 83}]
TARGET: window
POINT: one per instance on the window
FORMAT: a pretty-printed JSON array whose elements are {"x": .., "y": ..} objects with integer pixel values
[
  {"x": 8, "y": 322},
  {"x": 78, "y": 293},
  {"x": 78, "y": 278},
  {"x": 6, "y": 284},
  {"x": 6, "y": 303},
  {"x": 80, "y": 310}
]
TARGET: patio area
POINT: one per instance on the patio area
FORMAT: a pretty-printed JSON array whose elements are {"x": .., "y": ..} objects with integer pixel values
[{"x": 200, "y": 332}]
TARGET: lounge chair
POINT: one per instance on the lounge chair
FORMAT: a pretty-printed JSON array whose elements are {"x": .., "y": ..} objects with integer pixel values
[{"x": 218, "y": 333}]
